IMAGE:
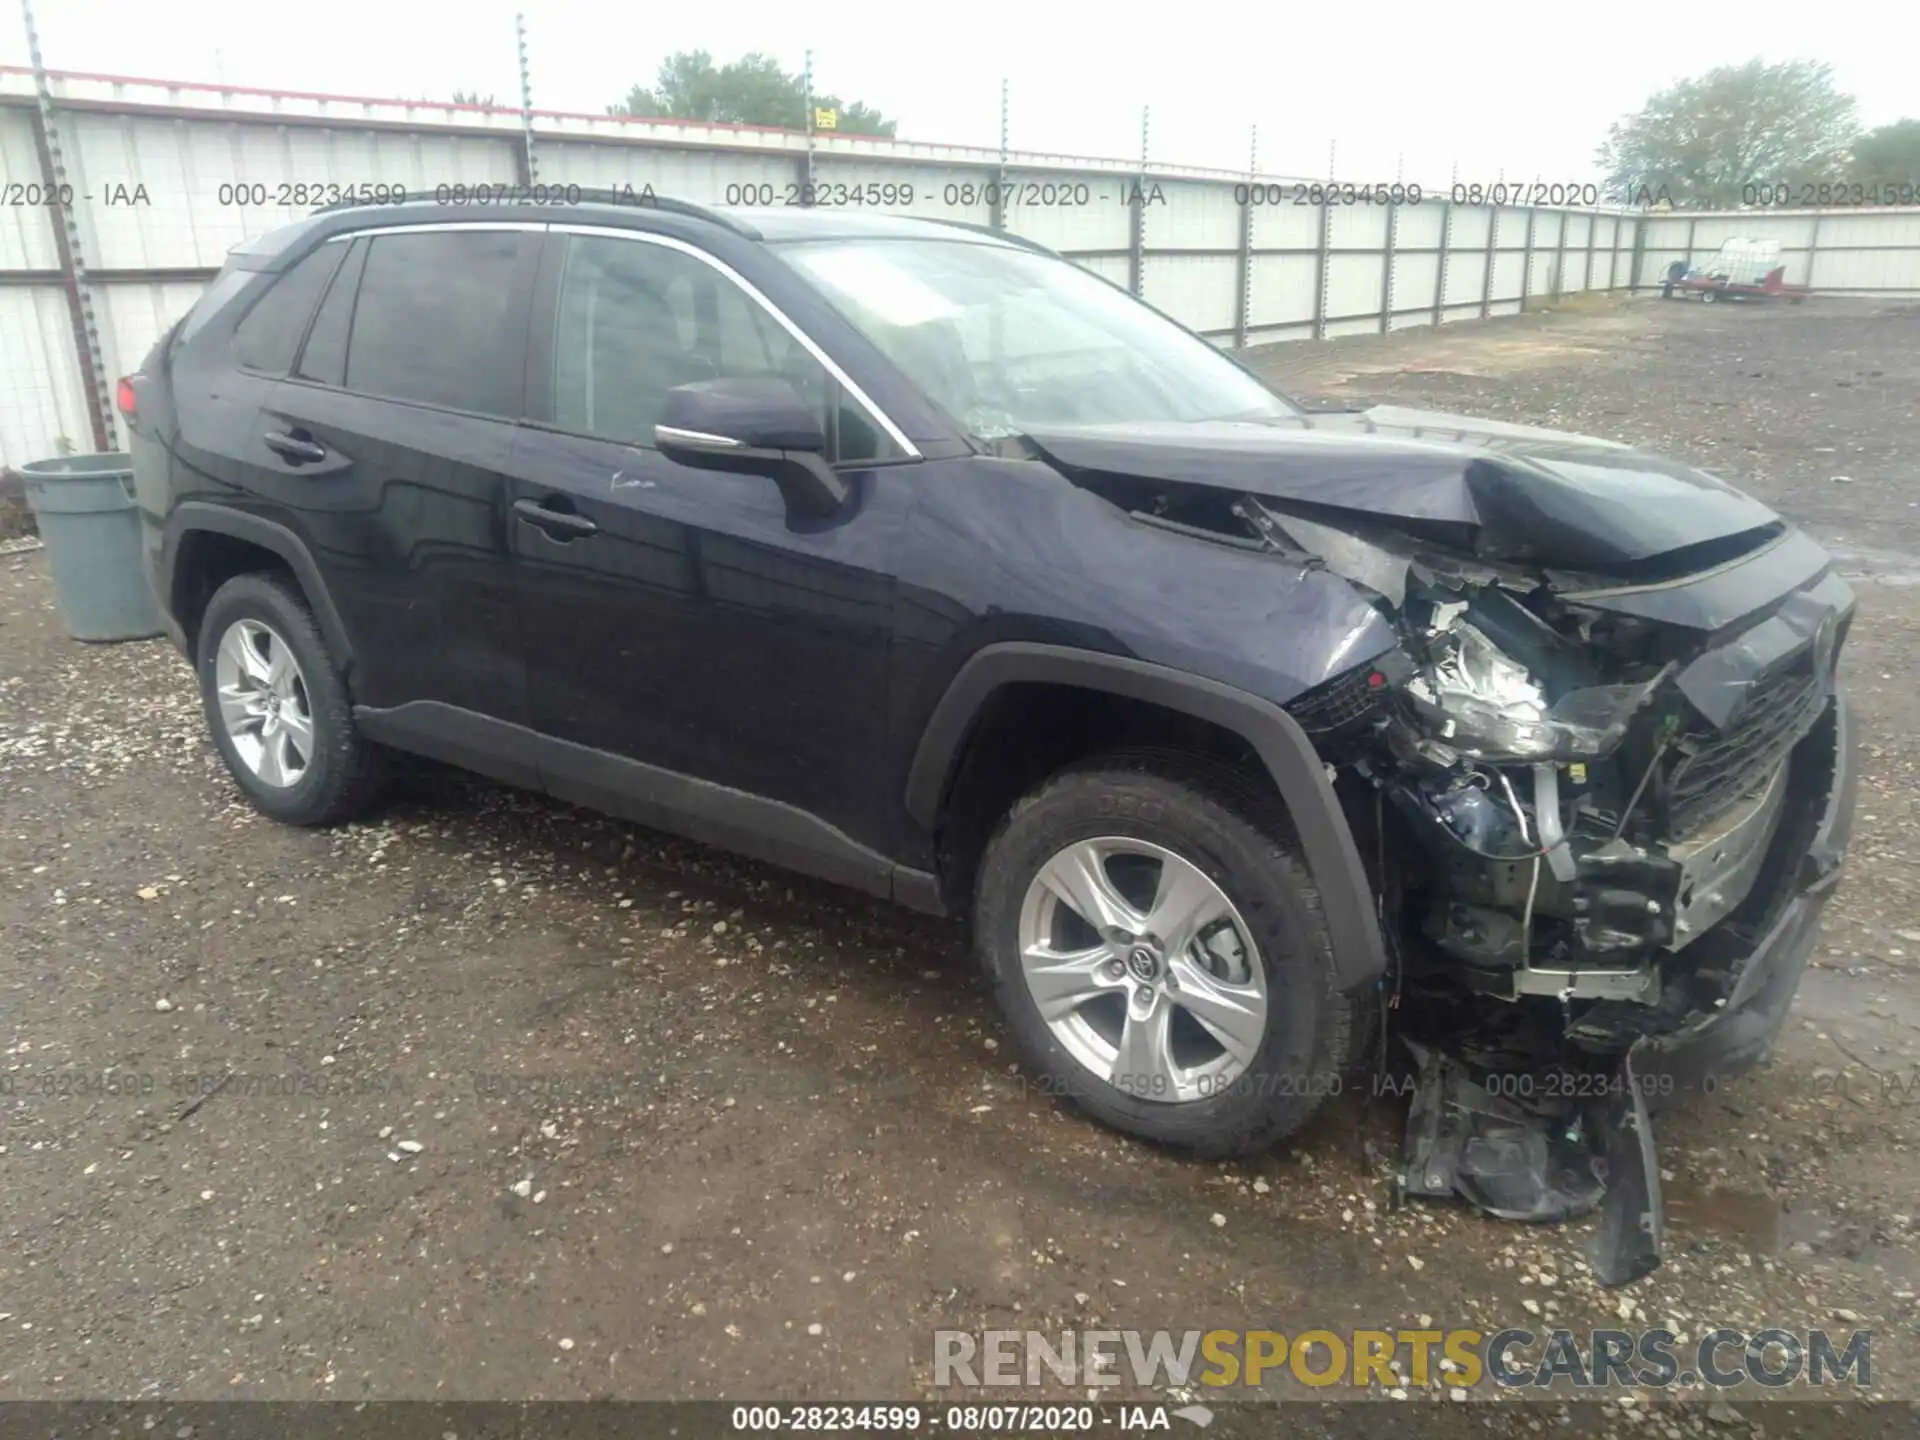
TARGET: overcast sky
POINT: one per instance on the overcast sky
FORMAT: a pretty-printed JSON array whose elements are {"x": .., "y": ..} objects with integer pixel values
[{"x": 1500, "y": 85}]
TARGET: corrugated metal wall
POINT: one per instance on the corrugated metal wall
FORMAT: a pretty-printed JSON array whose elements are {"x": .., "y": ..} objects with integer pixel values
[{"x": 167, "y": 177}]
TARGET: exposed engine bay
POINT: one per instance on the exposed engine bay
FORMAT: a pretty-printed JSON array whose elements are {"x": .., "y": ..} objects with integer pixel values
[{"x": 1581, "y": 785}]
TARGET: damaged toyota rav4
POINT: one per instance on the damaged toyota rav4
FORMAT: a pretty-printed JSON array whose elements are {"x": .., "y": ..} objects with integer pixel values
[{"x": 1257, "y": 744}]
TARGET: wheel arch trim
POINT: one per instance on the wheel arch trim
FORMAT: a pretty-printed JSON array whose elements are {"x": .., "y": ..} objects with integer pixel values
[
  {"x": 1333, "y": 859},
  {"x": 191, "y": 516}
]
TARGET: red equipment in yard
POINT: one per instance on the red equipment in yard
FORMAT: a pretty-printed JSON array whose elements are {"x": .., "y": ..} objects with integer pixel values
[{"x": 1743, "y": 270}]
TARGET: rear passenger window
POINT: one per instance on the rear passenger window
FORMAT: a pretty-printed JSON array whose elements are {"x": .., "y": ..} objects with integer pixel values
[
  {"x": 325, "y": 357},
  {"x": 269, "y": 334},
  {"x": 435, "y": 321}
]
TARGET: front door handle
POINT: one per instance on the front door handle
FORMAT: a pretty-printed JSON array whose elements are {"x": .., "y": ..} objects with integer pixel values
[
  {"x": 296, "y": 448},
  {"x": 557, "y": 524}
]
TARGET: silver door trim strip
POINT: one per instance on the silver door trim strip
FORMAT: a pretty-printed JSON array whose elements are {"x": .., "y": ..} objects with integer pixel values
[{"x": 699, "y": 439}]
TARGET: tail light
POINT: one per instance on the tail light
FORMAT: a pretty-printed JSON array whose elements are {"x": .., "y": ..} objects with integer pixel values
[{"x": 126, "y": 400}]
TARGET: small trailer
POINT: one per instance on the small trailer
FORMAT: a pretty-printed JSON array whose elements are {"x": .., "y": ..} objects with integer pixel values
[{"x": 1742, "y": 270}]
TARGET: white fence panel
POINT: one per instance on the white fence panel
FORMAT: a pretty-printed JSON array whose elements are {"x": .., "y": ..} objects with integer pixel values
[
  {"x": 169, "y": 176},
  {"x": 1414, "y": 278},
  {"x": 26, "y": 229},
  {"x": 1418, "y": 227},
  {"x": 706, "y": 176},
  {"x": 1196, "y": 290},
  {"x": 1067, "y": 212},
  {"x": 1187, "y": 216},
  {"x": 41, "y": 402},
  {"x": 1281, "y": 225},
  {"x": 134, "y": 315},
  {"x": 1284, "y": 290},
  {"x": 1354, "y": 285}
]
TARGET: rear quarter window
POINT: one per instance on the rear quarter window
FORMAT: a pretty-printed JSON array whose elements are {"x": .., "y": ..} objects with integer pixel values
[
  {"x": 244, "y": 261},
  {"x": 223, "y": 290},
  {"x": 269, "y": 334},
  {"x": 324, "y": 358}
]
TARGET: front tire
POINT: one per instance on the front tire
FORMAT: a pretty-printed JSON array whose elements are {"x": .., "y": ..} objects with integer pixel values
[
  {"x": 278, "y": 707},
  {"x": 1157, "y": 948}
]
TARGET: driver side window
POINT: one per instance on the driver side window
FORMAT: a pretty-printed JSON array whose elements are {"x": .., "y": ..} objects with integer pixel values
[{"x": 636, "y": 319}]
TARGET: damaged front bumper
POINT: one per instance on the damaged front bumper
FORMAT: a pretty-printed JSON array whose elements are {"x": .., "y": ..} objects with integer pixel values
[
  {"x": 1740, "y": 1033},
  {"x": 1560, "y": 1149},
  {"x": 1607, "y": 817}
]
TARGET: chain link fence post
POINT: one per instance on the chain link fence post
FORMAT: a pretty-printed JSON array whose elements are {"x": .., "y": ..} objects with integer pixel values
[
  {"x": 1323, "y": 267},
  {"x": 997, "y": 208},
  {"x": 1526, "y": 261},
  {"x": 529, "y": 160},
  {"x": 1137, "y": 217},
  {"x": 1243, "y": 311},
  {"x": 806, "y": 158},
  {"x": 1446, "y": 252},
  {"x": 68, "y": 245}
]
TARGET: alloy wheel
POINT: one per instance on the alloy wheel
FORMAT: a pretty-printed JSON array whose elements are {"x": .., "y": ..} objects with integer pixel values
[
  {"x": 264, "y": 704},
  {"x": 1143, "y": 969}
]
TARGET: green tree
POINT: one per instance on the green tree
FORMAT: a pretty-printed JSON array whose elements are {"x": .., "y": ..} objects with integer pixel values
[
  {"x": 1706, "y": 138},
  {"x": 1889, "y": 155},
  {"x": 753, "y": 90},
  {"x": 473, "y": 97}
]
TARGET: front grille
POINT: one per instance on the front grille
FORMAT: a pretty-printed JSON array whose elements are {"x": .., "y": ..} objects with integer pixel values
[
  {"x": 1732, "y": 764},
  {"x": 1337, "y": 703}
]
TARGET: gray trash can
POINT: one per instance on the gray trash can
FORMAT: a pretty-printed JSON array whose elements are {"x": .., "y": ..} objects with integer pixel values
[{"x": 91, "y": 527}]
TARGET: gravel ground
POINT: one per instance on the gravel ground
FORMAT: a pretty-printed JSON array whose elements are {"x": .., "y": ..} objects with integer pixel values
[{"x": 527, "y": 1103}]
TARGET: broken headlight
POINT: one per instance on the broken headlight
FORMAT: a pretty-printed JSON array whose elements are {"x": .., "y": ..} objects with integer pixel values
[{"x": 1480, "y": 701}]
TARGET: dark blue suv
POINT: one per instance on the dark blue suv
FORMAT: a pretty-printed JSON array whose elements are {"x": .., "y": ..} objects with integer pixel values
[{"x": 913, "y": 556}]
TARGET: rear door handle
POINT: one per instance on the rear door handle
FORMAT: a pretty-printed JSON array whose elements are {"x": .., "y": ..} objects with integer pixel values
[
  {"x": 558, "y": 524},
  {"x": 295, "y": 449}
]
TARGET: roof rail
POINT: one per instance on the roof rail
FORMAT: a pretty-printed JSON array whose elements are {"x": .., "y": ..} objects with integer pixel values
[
  {"x": 574, "y": 194},
  {"x": 1003, "y": 235},
  {"x": 675, "y": 206}
]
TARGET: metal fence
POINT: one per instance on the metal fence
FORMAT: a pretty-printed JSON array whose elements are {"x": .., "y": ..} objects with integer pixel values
[
  {"x": 122, "y": 197},
  {"x": 1865, "y": 251}
]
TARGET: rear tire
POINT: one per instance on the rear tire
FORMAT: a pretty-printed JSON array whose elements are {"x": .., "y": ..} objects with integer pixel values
[
  {"x": 1225, "y": 1085},
  {"x": 278, "y": 707}
]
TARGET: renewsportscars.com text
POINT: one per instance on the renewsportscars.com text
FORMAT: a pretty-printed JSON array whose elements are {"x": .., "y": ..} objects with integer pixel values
[{"x": 1512, "y": 1358}]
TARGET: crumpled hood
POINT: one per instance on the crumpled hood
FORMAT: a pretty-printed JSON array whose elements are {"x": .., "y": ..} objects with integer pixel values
[{"x": 1513, "y": 492}]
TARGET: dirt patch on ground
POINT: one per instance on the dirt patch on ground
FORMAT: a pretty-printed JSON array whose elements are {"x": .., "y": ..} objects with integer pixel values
[
  {"x": 524, "y": 1102},
  {"x": 1570, "y": 332}
]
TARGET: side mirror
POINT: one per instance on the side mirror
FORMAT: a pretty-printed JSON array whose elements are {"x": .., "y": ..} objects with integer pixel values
[{"x": 755, "y": 427}]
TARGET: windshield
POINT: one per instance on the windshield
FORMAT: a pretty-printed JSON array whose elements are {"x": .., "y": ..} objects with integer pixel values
[{"x": 1009, "y": 340}]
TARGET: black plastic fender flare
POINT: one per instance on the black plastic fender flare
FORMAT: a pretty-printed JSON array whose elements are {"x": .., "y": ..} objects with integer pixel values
[
  {"x": 1333, "y": 859},
  {"x": 191, "y": 516}
]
